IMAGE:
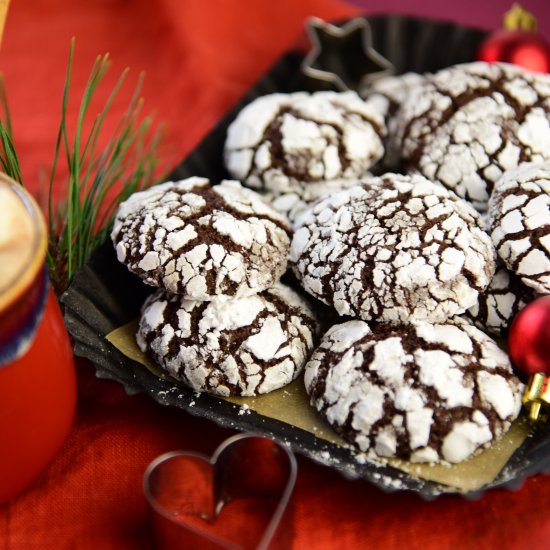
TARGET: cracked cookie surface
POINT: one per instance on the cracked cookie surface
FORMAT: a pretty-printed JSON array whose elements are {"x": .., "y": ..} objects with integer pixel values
[
  {"x": 468, "y": 124},
  {"x": 291, "y": 204},
  {"x": 280, "y": 142},
  {"x": 202, "y": 241},
  {"x": 422, "y": 392},
  {"x": 497, "y": 306},
  {"x": 519, "y": 219},
  {"x": 396, "y": 89},
  {"x": 244, "y": 346},
  {"x": 394, "y": 248}
]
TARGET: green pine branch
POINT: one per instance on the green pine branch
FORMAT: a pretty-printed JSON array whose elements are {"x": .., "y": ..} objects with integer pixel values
[{"x": 99, "y": 178}]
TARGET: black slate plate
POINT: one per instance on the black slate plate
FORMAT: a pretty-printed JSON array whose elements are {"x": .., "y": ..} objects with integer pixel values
[{"x": 105, "y": 295}]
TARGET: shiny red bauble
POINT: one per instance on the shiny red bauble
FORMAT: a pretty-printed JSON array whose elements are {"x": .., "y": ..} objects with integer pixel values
[
  {"x": 527, "y": 49},
  {"x": 529, "y": 338}
]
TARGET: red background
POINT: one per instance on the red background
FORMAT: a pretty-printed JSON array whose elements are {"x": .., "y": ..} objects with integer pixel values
[{"x": 200, "y": 57}]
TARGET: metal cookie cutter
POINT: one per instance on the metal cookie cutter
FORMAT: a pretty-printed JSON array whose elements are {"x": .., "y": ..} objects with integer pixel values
[
  {"x": 343, "y": 56},
  {"x": 187, "y": 492}
]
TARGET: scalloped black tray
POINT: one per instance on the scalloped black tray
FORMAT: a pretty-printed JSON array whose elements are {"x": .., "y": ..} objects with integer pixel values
[{"x": 105, "y": 295}]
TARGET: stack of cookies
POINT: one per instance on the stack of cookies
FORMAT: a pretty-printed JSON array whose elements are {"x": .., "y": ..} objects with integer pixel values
[
  {"x": 420, "y": 215},
  {"x": 220, "y": 321},
  {"x": 443, "y": 246},
  {"x": 405, "y": 257}
]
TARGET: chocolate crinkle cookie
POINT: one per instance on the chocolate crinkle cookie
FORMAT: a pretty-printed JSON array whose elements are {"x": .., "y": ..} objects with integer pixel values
[
  {"x": 291, "y": 204},
  {"x": 394, "y": 248},
  {"x": 281, "y": 142},
  {"x": 469, "y": 123},
  {"x": 244, "y": 346},
  {"x": 519, "y": 220},
  {"x": 396, "y": 89},
  {"x": 497, "y": 306},
  {"x": 422, "y": 392},
  {"x": 202, "y": 241}
]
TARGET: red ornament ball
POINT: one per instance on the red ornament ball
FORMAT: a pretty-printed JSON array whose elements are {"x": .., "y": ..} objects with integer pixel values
[
  {"x": 529, "y": 338},
  {"x": 524, "y": 48}
]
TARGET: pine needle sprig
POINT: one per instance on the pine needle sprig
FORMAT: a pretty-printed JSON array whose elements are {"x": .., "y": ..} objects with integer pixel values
[
  {"x": 8, "y": 155},
  {"x": 99, "y": 177}
]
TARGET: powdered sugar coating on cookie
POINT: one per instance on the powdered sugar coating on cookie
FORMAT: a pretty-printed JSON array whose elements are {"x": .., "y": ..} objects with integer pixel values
[
  {"x": 470, "y": 123},
  {"x": 423, "y": 392},
  {"x": 283, "y": 141},
  {"x": 394, "y": 248},
  {"x": 244, "y": 346},
  {"x": 292, "y": 203},
  {"x": 202, "y": 241},
  {"x": 519, "y": 218},
  {"x": 396, "y": 89},
  {"x": 497, "y": 306}
]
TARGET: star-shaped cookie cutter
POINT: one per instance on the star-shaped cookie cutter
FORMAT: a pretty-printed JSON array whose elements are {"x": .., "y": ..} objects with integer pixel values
[{"x": 343, "y": 56}]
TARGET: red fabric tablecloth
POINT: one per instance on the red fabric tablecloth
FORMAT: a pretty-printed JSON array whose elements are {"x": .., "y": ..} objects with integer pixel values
[{"x": 200, "y": 56}]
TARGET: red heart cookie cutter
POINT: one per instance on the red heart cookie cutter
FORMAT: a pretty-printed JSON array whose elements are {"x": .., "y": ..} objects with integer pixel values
[{"x": 237, "y": 499}]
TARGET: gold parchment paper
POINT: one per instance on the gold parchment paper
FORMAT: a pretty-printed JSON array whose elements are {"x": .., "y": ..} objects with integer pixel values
[{"x": 291, "y": 405}]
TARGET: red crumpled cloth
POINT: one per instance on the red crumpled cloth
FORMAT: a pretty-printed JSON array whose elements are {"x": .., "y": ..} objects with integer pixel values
[{"x": 200, "y": 57}]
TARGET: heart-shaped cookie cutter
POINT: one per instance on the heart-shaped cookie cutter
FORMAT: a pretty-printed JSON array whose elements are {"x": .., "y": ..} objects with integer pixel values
[{"x": 243, "y": 466}]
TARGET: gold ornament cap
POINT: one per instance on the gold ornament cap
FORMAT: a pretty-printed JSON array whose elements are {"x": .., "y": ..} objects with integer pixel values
[
  {"x": 519, "y": 19},
  {"x": 536, "y": 398}
]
